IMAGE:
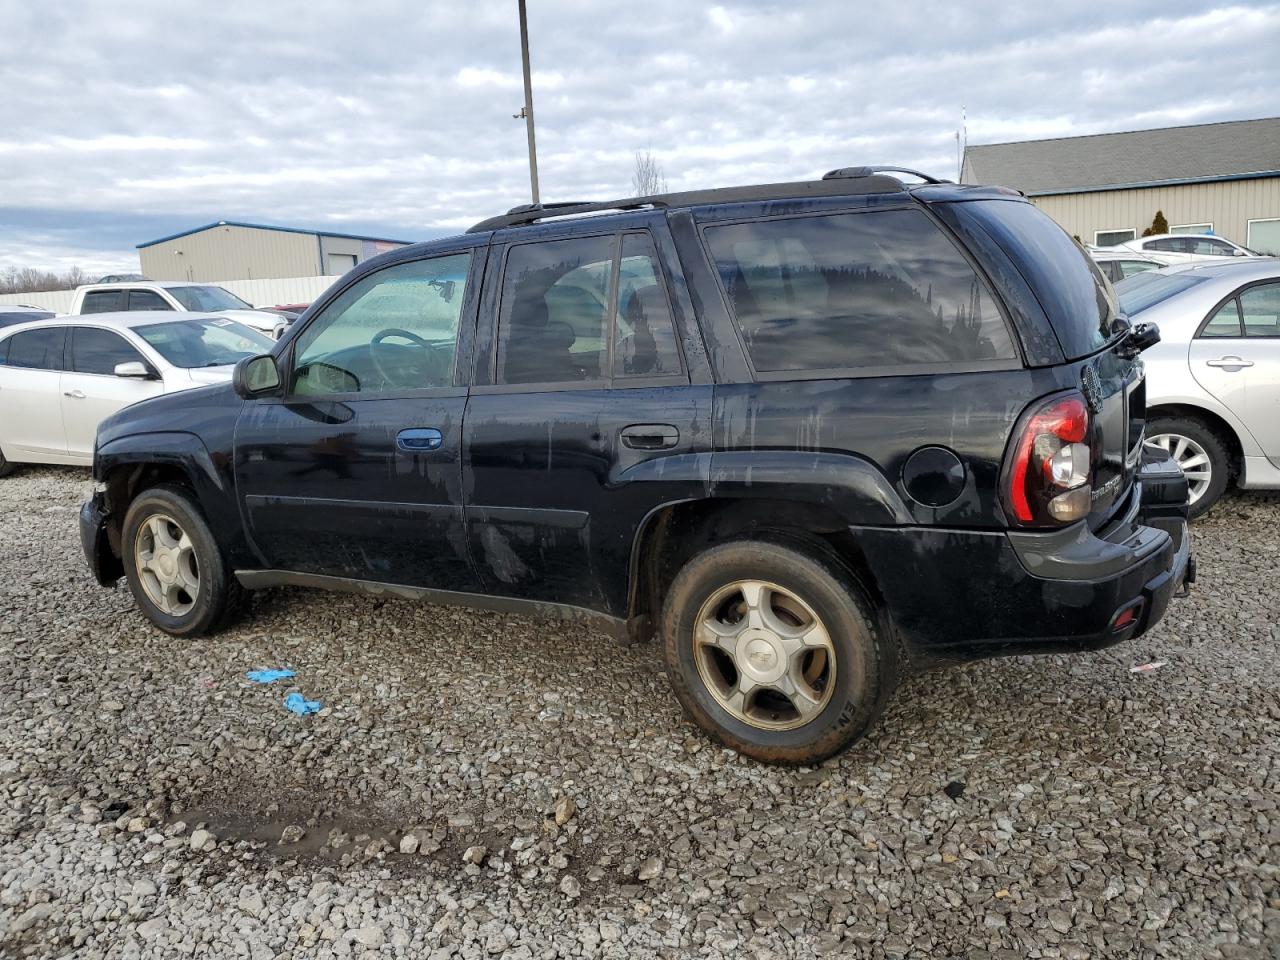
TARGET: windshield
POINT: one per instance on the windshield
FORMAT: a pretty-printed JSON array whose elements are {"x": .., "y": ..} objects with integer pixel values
[
  {"x": 1143, "y": 291},
  {"x": 207, "y": 299},
  {"x": 204, "y": 343}
]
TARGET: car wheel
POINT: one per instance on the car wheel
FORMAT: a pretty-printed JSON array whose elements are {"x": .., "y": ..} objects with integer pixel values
[
  {"x": 1201, "y": 454},
  {"x": 6, "y": 467},
  {"x": 776, "y": 651},
  {"x": 174, "y": 566}
]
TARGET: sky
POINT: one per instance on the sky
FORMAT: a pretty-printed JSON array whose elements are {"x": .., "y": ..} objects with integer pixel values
[{"x": 124, "y": 122}]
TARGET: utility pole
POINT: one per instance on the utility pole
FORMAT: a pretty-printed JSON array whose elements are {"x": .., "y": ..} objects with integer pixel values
[{"x": 527, "y": 110}]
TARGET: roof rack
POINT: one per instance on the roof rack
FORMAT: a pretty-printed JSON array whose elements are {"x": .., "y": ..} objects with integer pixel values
[
  {"x": 529, "y": 213},
  {"x": 854, "y": 173}
]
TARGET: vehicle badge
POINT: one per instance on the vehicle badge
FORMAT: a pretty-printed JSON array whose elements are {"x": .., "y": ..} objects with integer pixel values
[{"x": 1092, "y": 389}]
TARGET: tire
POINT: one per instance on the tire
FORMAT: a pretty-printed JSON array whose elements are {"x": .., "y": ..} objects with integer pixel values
[
  {"x": 800, "y": 586},
  {"x": 190, "y": 574},
  {"x": 6, "y": 467},
  {"x": 1194, "y": 438}
]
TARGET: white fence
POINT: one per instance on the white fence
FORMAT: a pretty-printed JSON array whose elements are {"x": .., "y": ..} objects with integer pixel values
[{"x": 260, "y": 293}]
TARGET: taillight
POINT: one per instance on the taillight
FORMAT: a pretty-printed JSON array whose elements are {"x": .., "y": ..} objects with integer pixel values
[{"x": 1048, "y": 476}]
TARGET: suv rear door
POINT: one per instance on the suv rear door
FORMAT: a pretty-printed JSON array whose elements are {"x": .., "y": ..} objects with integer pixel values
[{"x": 582, "y": 416}]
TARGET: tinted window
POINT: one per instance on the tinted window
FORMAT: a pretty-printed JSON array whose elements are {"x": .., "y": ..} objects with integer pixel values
[
  {"x": 204, "y": 343},
  {"x": 644, "y": 338},
  {"x": 207, "y": 299},
  {"x": 555, "y": 311},
  {"x": 37, "y": 349},
  {"x": 1260, "y": 310},
  {"x": 1211, "y": 247},
  {"x": 1064, "y": 279},
  {"x": 1145, "y": 290},
  {"x": 1129, "y": 267},
  {"x": 393, "y": 330},
  {"x": 1225, "y": 322},
  {"x": 855, "y": 290},
  {"x": 147, "y": 300},
  {"x": 98, "y": 351},
  {"x": 103, "y": 301}
]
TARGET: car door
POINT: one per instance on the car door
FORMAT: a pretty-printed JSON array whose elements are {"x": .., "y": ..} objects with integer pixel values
[
  {"x": 90, "y": 389},
  {"x": 583, "y": 417},
  {"x": 1236, "y": 357},
  {"x": 30, "y": 398},
  {"x": 354, "y": 471}
]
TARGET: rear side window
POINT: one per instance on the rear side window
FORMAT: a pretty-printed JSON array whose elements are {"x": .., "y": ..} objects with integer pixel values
[
  {"x": 37, "y": 349},
  {"x": 1225, "y": 321},
  {"x": 98, "y": 351},
  {"x": 1144, "y": 291},
  {"x": 103, "y": 301},
  {"x": 147, "y": 300},
  {"x": 1260, "y": 310},
  {"x": 856, "y": 290}
]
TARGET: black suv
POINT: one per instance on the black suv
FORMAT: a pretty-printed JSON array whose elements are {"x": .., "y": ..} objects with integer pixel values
[{"x": 806, "y": 432}]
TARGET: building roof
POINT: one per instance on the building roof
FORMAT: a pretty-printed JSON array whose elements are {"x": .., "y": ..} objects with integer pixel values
[
  {"x": 1206, "y": 152},
  {"x": 267, "y": 226}
]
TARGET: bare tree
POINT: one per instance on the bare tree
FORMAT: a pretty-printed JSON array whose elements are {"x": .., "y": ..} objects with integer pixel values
[
  {"x": 31, "y": 280},
  {"x": 648, "y": 177}
]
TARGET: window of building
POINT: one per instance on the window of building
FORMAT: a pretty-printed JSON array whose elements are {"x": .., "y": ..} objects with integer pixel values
[
  {"x": 865, "y": 290},
  {"x": 1110, "y": 238},
  {"x": 103, "y": 301},
  {"x": 393, "y": 330},
  {"x": 37, "y": 349},
  {"x": 1263, "y": 237},
  {"x": 98, "y": 351}
]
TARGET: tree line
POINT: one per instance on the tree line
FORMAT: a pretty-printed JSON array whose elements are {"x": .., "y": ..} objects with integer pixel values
[{"x": 31, "y": 280}]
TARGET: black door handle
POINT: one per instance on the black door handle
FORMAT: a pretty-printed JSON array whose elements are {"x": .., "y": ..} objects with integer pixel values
[{"x": 650, "y": 436}]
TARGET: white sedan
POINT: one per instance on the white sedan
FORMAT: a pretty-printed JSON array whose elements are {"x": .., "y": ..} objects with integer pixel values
[{"x": 60, "y": 378}]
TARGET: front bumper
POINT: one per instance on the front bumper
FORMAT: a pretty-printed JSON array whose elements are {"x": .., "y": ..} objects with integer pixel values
[
  {"x": 95, "y": 539},
  {"x": 964, "y": 595}
]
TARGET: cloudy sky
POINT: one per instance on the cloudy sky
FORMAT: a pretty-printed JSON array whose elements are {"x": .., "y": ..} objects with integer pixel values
[{"x": 126, "y": 121}]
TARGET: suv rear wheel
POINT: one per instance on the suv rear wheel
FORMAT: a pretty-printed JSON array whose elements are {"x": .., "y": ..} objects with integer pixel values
[
  {"x": 174, "y": 567},
  {"x": 1200, "y": 453},
  {"x": 776, "y": 651}
]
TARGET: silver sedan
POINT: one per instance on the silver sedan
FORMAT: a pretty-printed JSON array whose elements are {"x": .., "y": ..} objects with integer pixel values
[{"x": 1213, "y": 381}]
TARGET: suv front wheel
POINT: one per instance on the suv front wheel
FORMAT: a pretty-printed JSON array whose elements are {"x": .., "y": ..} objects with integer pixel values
[
  {"x": 175, "y": 570},
  {"x": 776, "y": 651}
]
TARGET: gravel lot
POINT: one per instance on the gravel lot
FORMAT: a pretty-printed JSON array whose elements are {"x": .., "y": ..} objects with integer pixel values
[{"x": 480, "y": 785}]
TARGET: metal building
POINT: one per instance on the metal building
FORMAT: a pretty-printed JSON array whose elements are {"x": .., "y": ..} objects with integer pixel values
[
  {"x": 1222, "y": 178},
  {"x": 227, "y": 250}
]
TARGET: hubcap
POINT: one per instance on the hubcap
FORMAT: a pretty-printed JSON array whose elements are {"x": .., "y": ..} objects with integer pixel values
[
  {"x": 165, "y": 559},
  {"x": 1191, "y": 457},
  {"x": 764, "y": 655}
]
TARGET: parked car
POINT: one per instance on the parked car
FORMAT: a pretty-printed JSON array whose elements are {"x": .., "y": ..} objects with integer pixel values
[
  {"x": 11, "y": 313},
  {"x": 1118, "y": 264},
  {"x": 120, "y": 277},
  {"x": 1213, "y": 384},
  {"x": 799, "y": 429},
  {"x": 172, "y": 295},
  {"x": 1186, "y": 246},
  {"x": 60, "y": 378}
]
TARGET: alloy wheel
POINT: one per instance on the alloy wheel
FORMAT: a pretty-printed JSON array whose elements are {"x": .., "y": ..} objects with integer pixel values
[
  {"x": 1191, "y": 457},
  {"x": 165, "y": 559},
  {"x": 764, "y": 655}
]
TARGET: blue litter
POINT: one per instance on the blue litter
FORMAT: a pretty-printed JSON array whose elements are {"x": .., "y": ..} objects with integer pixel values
[
  {"x": 268, "y": 676},
  {"x": 297, "y": 703}
]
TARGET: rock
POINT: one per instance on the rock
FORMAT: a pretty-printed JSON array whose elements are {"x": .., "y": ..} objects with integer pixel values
[
  {"x": 113, "y": 706},
  {"x": 31, "y": 917},
  {"x": 153, "y": 928},
  {"x": 137, "y": 825},
  {"x": 371, "y": 937},
  {"x": 292, "y": 834},
  {"x": 409, "y": 843},
  {"x": 475, "y": 855},
  {"x": 570, "y": 886},
  {"x": 651, "y": 869},
  {"x": 564, "y": 810},
  {"x": 144, "y": 888},
  {"x": 202, "y": 840}
]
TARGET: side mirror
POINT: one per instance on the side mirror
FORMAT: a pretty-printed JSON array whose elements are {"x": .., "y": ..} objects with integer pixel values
[
  {"x": 254, "y": 376},
  {"x": 133, "y": 370}
]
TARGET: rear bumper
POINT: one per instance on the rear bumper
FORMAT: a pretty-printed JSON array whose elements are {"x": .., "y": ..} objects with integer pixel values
[
  {"x": 103, "y": 562},
  {"x": 964, "y": 595}
]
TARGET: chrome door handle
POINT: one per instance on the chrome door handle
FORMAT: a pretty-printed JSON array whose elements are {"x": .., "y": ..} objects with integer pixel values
[
  {"x": 75, "y": 394},
  {"x": 419, "y": 439},
  {"x": 650, "y": 436},
  {"x": 1229, "y": 363}
]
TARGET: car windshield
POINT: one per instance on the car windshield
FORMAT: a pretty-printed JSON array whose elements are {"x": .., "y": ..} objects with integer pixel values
[
  {"x": 204, "y": 343},
  {"x": 208, "y": 299},
  {"x": 1143, "y": 291}
]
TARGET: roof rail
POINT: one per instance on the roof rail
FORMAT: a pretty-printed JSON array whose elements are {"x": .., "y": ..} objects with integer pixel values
[
  {"x": 853, "y": 173},
  {"x": 527, "y": 213}
]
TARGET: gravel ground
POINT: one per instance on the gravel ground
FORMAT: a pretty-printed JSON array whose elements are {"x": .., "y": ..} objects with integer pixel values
[{"x": 480, "y": 785}]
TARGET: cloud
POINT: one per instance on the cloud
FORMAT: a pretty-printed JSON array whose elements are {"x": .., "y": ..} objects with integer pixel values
[{"x": 130, "y": 121}]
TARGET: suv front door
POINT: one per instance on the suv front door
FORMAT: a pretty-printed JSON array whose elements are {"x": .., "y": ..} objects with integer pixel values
[
  {"x": 355, "y": 471},
  {"x": 583, "y": 417}
]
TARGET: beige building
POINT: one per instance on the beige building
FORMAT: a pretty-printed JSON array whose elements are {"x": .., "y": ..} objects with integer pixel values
[
  {"x": 249, "y": 251},
  {"x": 1221, "y": 178}
]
